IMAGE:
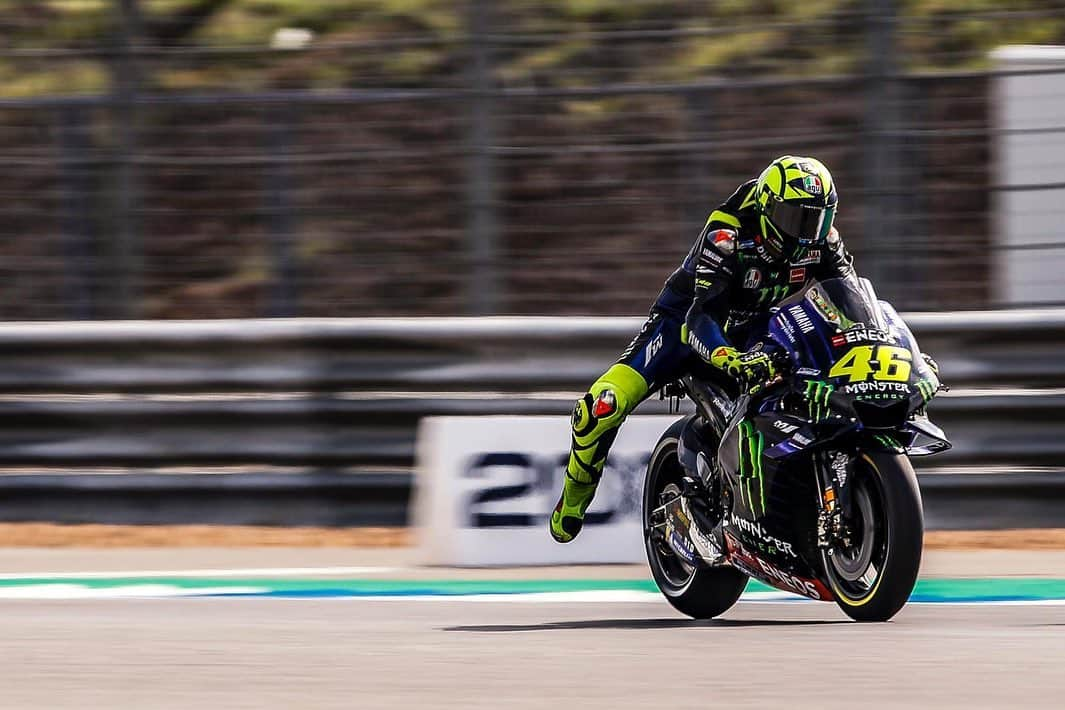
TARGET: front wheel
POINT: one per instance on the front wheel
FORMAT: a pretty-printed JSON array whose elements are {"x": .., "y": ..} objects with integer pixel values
[
  {"x": 699, "y": 593},
  {"x": 874, "y": 576}
]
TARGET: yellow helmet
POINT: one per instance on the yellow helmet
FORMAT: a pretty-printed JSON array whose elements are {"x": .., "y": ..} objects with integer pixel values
[{"x": 797, "y": 201}]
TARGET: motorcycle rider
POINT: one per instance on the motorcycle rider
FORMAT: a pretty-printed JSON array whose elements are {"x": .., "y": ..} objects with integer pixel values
[{"x": 763, "y": 244}]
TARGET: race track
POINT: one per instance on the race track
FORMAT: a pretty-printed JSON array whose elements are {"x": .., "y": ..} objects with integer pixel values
[
  {"x": 359, "y": 649},
  {"x": 358, "y": 653}
]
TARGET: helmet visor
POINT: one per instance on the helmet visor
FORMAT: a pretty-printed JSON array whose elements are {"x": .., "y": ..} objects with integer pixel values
[{"x": 807, "y": 225}]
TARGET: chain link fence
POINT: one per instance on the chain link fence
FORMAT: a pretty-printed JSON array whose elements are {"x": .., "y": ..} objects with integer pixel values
[{"x": 242, "y": 158}]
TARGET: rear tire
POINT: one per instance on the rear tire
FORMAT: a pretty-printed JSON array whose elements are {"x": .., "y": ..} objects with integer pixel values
[
  {"x": 874, "y": 578},
  {"x": 698, "y": 593}
]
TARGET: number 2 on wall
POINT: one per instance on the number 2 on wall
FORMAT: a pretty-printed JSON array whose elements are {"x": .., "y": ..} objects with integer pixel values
[{"x": 892, "y": 364}]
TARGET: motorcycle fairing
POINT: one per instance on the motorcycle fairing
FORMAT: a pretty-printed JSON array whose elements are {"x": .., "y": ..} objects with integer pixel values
[
  {"x": 739, "y": 464},
  {"x": 768, "y": 503},
  {"x": 753, "y": 565},
  {"x": 922, "y": 426}
]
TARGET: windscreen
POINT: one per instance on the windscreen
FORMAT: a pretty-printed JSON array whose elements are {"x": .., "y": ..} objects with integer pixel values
[{"x": 845, "y": 302}]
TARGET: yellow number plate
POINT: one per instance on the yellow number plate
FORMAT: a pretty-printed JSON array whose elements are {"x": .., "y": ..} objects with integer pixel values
[{"x": 884, "y": 363}]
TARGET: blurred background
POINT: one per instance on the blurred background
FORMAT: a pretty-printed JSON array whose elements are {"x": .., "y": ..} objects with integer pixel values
[
  {"x": 236, "y": 161},
  {"x": 245, "y": 158}
]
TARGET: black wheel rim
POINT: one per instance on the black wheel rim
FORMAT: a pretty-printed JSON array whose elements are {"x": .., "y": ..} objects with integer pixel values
[
  {"x": 856, "y": 568},
  {"x": 665, "y": 475}
]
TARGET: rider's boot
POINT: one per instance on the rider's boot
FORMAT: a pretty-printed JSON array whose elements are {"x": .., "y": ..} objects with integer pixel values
[
  {"x": 596, "y": 418},
  {"x": 568, "y": 516}
]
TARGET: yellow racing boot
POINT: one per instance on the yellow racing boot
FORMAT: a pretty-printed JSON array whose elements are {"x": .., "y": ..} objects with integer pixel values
[{"x": 568, "y": 517}]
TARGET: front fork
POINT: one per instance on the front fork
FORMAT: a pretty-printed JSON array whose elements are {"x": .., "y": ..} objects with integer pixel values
[{"x": 834, "y": 469}]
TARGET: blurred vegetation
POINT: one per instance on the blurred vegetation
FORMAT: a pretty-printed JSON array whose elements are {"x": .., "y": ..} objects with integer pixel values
[
  {"x": 374, "y": 199},
  {"x": 61, "y": 46}
]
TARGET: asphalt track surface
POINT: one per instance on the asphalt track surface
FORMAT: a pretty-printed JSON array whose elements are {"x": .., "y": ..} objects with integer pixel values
[
  {"x": 221, "y": 652},
  {"x": 439, "y": 654}
]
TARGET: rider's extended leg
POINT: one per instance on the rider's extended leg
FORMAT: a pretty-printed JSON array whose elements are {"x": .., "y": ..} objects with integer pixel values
[
  {"x": 596, "y": 418},
  {"x": 654, "y": 357}
]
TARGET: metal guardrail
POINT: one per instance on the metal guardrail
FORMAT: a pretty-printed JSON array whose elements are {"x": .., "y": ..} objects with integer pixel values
[
  {"x": 1019, "y": 347},
  {"x": 313, "y": 421},
  {"x": 252, "y": 496},
  {"x": 378, "y": 432}
]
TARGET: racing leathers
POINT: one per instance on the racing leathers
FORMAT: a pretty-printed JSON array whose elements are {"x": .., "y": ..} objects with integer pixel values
[{"x": 711, "y": 308}]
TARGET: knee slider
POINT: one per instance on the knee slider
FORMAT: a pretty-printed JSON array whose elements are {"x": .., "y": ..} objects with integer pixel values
[
  {"x": 608, "y": 401},
  {"x": 601, "y": 406}
]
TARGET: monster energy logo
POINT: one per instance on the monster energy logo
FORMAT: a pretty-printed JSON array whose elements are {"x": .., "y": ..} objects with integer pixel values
[
  {"x": 772, "y": 295},
  {"x": 887, "y": 442},
  {"x": 927, "y": 389},
  {"x": 817, "y": 394},
  {"x": 752, "y": 444}
]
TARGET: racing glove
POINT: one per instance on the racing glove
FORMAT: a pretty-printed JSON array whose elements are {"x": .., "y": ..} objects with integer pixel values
[
  {"x": 932, "y": 364},
  {"x": 751, "y": 369}
]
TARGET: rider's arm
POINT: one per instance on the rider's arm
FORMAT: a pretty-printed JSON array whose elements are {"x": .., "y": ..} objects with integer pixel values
[
  {"x": 715, "y": 264},
  {"x": 836, "y": 262},
  {"x": 714, "y": 269}
]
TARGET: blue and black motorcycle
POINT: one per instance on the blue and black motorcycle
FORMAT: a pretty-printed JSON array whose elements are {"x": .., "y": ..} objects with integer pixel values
[{"x": 806, "y": 485}]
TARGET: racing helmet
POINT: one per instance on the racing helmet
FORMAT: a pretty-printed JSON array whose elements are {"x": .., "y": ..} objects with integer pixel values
[{"x": 797, "y": 203}]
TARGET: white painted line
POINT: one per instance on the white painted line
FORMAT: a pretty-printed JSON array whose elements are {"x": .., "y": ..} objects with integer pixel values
[
  {"x": 615, "y": 596},
  {"x": 608, "y": 596},
  {"x": 627, "y": 597},
  {"x": 132, "y": 591},
  {"x": 773, "y": 597},
  {"x": 62, "y": 591},
  {"x": 217, "y": 573},
  {"x": 163, "y": 591}
]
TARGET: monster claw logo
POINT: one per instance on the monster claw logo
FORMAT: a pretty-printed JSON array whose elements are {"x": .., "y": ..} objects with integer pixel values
[
  {"x": 888, "y": 442},
  {"x": 752, "y": 444},
  {"x": 817, "y": 394},
  {"x": 927, "y": 389},
  {"x": 771, "y": 294}
]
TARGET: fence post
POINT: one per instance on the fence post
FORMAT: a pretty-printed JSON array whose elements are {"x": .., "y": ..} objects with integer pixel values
[
  {"x": 127, "y": 252},
  {"x": 882, "y": 164},
  {"x": 913, "y": 202},
  {"x": 701, "y": 201},
  {"x": 483, "y": 284},
  {"x": 278, "y": 194}
]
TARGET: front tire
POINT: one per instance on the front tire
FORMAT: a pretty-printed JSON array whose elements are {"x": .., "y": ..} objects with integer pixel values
[
  {"x": 874, "y": 577},
  {"x": 698, "y": 593}
]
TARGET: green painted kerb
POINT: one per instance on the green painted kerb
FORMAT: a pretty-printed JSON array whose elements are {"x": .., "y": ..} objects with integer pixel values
[{"x": 931, "y": 590}]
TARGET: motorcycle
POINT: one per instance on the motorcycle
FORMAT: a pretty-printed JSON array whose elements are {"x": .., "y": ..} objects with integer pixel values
[{"x": 805, "y": 485}]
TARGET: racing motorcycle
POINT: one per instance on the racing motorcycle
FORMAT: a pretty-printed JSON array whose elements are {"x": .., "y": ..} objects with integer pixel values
[{"x": 805, "y": 485}]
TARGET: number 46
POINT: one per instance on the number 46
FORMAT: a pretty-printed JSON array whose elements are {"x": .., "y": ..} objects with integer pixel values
[{"x": 892, "y": 364}]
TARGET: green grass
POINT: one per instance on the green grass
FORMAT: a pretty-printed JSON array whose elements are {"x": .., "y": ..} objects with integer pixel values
[{"x": 819, "y": 36}]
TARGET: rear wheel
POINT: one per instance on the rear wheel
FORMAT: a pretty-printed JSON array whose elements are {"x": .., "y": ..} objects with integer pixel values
[
  {"x": 874, "y": 576},
  {"x": 699, "y": 593}
]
